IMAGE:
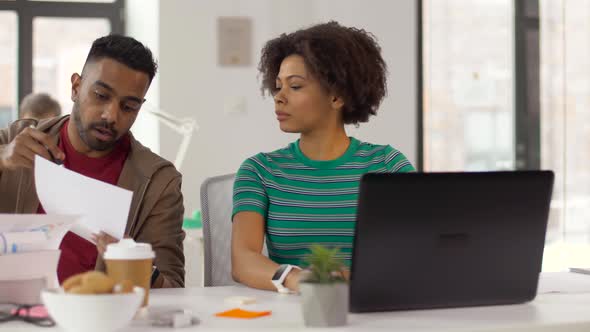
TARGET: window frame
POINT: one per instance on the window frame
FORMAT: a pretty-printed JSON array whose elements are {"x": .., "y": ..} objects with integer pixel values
[
  {"x": 527, "y": 85},
  {"x": 28, "y": 10}
]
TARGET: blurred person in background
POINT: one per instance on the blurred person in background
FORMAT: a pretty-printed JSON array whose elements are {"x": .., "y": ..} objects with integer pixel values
[{"x": 39, "y": 106}]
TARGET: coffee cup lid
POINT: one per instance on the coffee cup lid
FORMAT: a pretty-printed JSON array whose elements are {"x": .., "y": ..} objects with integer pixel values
[{"x": 129, "y": 249}]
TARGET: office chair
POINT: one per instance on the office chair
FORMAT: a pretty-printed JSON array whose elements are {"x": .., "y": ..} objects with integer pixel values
[{"x": 216, "y": 210}]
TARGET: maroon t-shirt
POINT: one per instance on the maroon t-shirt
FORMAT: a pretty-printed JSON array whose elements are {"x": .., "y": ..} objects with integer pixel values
[{"x": 77, "y": 254}]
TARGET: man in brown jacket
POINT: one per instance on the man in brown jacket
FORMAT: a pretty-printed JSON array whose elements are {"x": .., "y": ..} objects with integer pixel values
[{"x": 95, "y": 141}]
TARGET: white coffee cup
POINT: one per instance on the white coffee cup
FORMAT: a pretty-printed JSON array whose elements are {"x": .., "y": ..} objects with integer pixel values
[{"x": 129, "y": 260}]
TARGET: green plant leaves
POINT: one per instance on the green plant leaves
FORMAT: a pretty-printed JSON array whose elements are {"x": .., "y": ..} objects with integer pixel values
[{"x": 324, "y": 266}]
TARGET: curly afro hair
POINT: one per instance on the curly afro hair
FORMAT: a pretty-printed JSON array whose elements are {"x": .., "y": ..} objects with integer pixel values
[{"x": 346, "y": 61}]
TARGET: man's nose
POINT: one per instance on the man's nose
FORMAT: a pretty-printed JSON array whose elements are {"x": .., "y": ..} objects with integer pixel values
[{"x": 110, "y": 112}]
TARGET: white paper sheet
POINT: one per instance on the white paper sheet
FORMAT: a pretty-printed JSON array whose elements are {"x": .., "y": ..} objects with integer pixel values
[
  {"x": 101, "y": 206},
  {"x": 563, "y": 282},
  {"x": 56, "y": 226}
]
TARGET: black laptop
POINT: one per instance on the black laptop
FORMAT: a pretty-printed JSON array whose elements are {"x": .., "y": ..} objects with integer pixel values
[{"x": 434, "y": 240}]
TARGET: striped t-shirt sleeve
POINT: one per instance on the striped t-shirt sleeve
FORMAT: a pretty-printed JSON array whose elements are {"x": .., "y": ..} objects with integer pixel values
[
  {"x": 396, "y": 162},
  {"x": 249, "y": 192}
]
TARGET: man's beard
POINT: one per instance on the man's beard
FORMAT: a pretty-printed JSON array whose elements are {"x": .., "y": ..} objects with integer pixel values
[{"x": 84, "y": 132}]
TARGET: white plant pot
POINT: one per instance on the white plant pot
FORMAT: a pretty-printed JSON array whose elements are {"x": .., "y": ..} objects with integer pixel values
[{"x": 324, "y": 305}]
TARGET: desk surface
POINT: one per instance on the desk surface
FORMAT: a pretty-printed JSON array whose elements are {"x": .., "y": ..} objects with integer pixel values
[{"x": 563, "y": 303}]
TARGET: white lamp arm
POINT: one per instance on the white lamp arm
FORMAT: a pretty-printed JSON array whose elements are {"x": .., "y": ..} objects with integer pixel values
[{"x": 184, "y": 126}]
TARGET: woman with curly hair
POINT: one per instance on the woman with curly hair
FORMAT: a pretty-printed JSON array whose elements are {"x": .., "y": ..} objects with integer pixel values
[{"x": 321, "y": 78}]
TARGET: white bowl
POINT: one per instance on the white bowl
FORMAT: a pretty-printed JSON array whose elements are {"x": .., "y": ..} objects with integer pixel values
[{"x": 100, "y": 312}]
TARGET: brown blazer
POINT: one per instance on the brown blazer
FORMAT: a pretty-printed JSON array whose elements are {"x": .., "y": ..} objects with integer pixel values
[{"x": 156, "y": 211}]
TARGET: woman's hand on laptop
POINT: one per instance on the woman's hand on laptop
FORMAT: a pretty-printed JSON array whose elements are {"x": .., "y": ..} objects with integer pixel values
[
  {"x": 294, "y": 278},
  {"x": 346, "y": 274}
]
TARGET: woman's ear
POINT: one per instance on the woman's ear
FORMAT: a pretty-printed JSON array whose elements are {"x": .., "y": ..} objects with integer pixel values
[{"x": 337, "y": 103}]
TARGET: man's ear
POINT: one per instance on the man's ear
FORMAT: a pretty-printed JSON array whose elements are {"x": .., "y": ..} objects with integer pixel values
[{"x": 76, "y": 80}]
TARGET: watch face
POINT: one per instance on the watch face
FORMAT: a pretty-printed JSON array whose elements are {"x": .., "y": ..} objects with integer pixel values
[{"x": 279, "y": 272}]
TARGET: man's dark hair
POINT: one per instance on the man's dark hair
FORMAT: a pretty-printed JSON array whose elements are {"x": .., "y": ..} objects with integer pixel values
[
  {"x": 125, "y": 50},
  {"x": 346, "y": 61}
]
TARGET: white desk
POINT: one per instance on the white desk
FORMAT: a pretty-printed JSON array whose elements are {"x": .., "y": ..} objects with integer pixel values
[{"x": 563, "y": 304}]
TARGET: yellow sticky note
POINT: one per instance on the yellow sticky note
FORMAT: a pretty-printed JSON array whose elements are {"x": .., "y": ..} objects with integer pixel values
[{"x": 244, "y": 314}]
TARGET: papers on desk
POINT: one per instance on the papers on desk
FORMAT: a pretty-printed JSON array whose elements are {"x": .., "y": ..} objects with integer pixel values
[
  {"x": 580, "y": 270},
  {"x": 101, "y": 206},
  {"x": 563, "y": 283},
  {"x": 29, "y": 262},
  {"x": 23, "y": 276},
  {"x": 38, "y": 231}
]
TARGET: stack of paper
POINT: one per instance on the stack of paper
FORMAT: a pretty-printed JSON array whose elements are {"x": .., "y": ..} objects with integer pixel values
[{"x": 24, "y": 273}]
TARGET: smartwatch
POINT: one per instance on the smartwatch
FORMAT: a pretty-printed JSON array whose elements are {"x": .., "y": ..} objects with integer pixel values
[
  {"x": 278, "y": 279},
  {"x": 155, "y": 275}
]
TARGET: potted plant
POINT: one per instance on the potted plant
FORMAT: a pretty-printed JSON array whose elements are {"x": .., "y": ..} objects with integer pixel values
[{"x": 324, "y": 289}]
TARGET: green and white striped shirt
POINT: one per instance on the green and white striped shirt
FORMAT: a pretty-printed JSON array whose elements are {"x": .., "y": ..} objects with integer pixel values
[{"x": 307, "y": 201}]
